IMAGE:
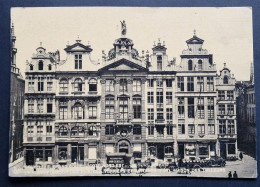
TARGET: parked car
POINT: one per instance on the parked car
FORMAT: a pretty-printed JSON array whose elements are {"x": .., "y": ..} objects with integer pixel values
[{"x": 216, "y": 161}]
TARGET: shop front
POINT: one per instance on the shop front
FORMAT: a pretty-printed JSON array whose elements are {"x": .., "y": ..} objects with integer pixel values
[
  {"x": 228, "y": 149},
  {"x": 160, "y": 151},
  {"x": 39, "y": 156}
]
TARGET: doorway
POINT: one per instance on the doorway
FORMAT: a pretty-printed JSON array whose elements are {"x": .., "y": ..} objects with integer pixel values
[
  {"x": 29, "y": 158},
  {"x": 181, "y": 150},
  {"x": 223, "y": 150},
  {"x": 160, "y": 151}
]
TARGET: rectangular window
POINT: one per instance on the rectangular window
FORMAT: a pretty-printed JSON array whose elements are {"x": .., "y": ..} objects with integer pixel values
[
  {"x": 159, "y": 83},
  {"x": 201, "y": 113},
  {"x": 190, "y": 107},
  {"x": 39, "y": 128},
  {"x": 221, "y": 95},
  {"x": 210, "y": 107},
  {"x": 181, "y": 111},
  {"x": 159, "y": 113},
  {"x": 109, "y": 130},
  {"x": 110, "y": 85},
  {"x": 222, "y": 126},
  {"x": 169, "y": 129},
  {"x": 231, "y": 127},
  {"x": 123, "y": 85},
  {"x": 137, "y": 85},
  {"x": 210, "y": 84},
  {"x": 109, "y": 102},
  {"x": 168, "y": 97},
  {"x": 150, "y": 114},
  {"x": 181, "y": 129},
  {"x": 63, "y": 85},
  {"x": 169, "y": 113},
  {"x": 40, "y": 106},
  {"x": 230, "y": 95},
  {"x": 180, "y": 84},
  {"x": 48, "y": 128},
  {"x": 159, "y": 96},
  {"x": 40, "y": 86},
  {"x": 30, "y": 86},
  {"x": 150, "y": 97},
  {"x": 110, "y": 112},
  {"x": 30, "y": 128},
  {"x": 49, "y": 86},
  {"x": 150, "y": 82},
  {"x": 30, "y": 106},
  {"x": 168, "y": 83},
  {"x": 137, "y": 130},
  {"x": 230, "y": 109},
  {"x": 49, "y": 108},
  {"x": 123, "y": 108},
  {"x": 137, "y": 108},
  {"x": 78, "y": 61},
  {"x": 221, "y": 109},
  {"x": 191, "y": 129},
  {"x": 211, "y": 129},
  {"x": 200, "y": 84},
  {"x": 150, "y": 130},
  {"x": 201, "y": 129},
  {"x": 63, "y": 109},
  {"x": 190, "y": 84},
  {"x": 92, "y": 112}
]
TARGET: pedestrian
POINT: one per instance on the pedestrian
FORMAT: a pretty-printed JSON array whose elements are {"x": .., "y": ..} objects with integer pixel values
[
  {"x": 235, "y": 174},
  {"x": 230, "y": 175},
  {"x": 241, "y": 156}
]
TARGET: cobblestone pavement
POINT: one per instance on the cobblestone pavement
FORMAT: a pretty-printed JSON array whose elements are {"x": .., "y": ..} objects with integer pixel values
[{"x": 245, "y": 169}]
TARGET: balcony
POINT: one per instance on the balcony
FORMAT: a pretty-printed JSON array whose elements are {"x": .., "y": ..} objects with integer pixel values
[
  {"x": 123, "y": 121},
  {"x": 223, "y": 136},
  {"x": 159, "y": 120}
]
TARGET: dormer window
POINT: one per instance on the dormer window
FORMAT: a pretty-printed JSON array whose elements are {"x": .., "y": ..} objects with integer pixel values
[
  {"x": 159, "y": 63},
  {"x": 78, "y": 61},
  {"x": 31, "y": 67},
  {"x": 225, "y": 81},
  {"x": 40, "y": 65},
  {"x": 190, "y": 65}
]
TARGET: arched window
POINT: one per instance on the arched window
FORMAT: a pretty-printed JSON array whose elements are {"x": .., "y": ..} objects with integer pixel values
[
  {"x": 93, "y": 85},
  {"x": 63, "y": 85},
  {"x": 225, "y": 81},
  {"x": 92, "y": 131},
  {"x": 200, "y": 65},
  {"x": 31, "y": 67},
  {"x": 63, "y": 131},
  {"x": 40, "y": 65},
  {"x": 78, "y": 85},
  {"x": 78, "y": 111},
  {"x": 190, "y": 65},
  {"x": 159, "y": 63},
  {"x": 77, "y": 131}
]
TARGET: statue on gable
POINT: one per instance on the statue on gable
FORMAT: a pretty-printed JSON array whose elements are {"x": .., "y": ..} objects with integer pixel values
[{"x": 123, "y": 27}]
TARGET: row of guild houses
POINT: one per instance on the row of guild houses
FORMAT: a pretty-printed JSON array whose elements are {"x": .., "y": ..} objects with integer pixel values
[{"x": 128, "y": 108}]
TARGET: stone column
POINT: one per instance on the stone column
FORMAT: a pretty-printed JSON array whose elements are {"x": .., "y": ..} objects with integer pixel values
[
  {"x": 85, "y": 154},
  {"x": 69, "y": 153}
]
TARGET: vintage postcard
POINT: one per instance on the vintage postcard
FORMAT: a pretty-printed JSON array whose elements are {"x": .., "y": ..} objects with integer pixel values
[{"x": 96, "y": 91}]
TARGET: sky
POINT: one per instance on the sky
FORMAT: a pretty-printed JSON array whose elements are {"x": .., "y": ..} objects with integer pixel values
[{"x": 227, "y": 32}]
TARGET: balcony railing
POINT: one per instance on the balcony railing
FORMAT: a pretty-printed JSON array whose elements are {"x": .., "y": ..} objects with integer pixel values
[
  {"x": 229, "y": 135},
  {"x": 120, "y": 121}
]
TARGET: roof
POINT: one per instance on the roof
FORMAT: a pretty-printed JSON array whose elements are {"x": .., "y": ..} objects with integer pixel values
[
  {"x": 79, "y": 48},
  {"x": 195, "y": 40}
]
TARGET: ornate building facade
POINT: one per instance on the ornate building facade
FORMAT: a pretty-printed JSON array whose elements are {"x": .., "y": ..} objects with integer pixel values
[
  {"x": 246, "y": 115},
  {"x": 16, "y": 106},
  {"x": 128, "y": 108}
]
